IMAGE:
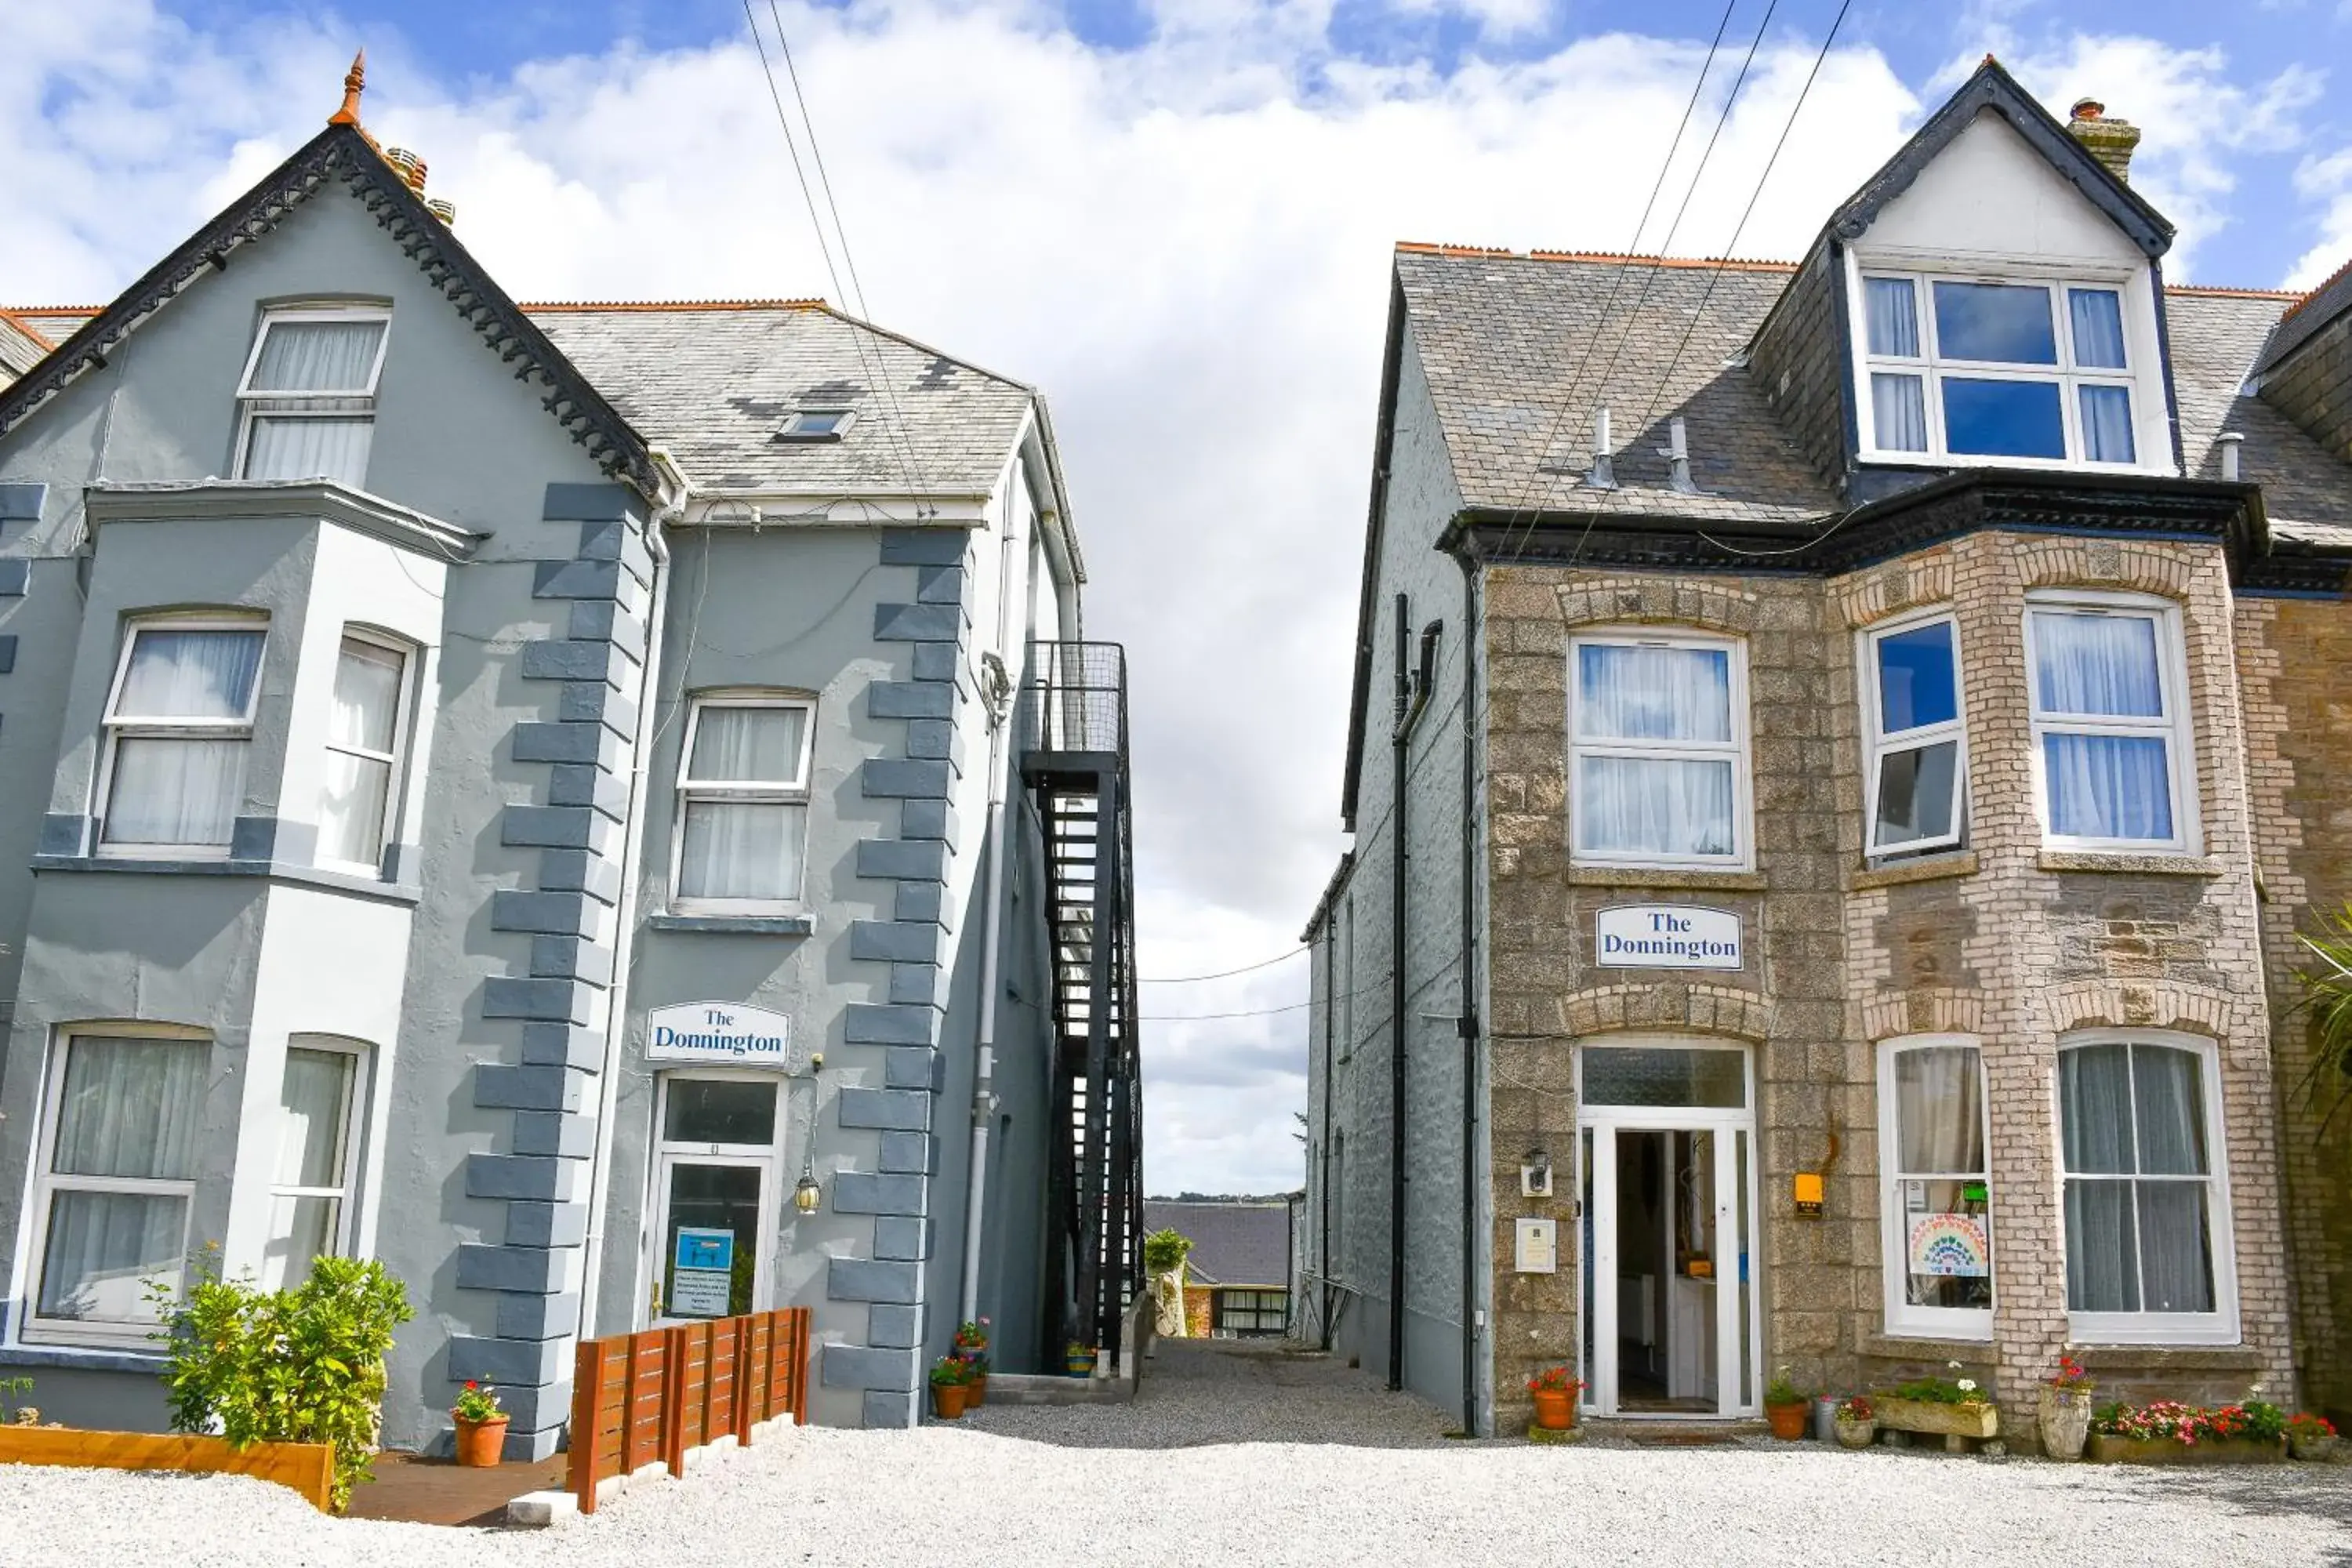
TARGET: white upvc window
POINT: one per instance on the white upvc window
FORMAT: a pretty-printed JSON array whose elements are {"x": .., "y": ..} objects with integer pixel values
[
  {"x": 2107, "y": 679},
  {"x": 743, "y": 790},
  {"x": 307, "y": 400},
  {"x": 1997, "y": 369},
  {"x": 114, "y": 1181},
  {"x": 179, "y": 723},
  {"x": 1935, "y": 1198},
  {"x": 311, "y": 1207},
  {"x": 1918, "y": 782},
  {"x": 2148, "y": 1252},
  {"x": 1658, "y": 771},
  {"x": 358, "y": 798}
]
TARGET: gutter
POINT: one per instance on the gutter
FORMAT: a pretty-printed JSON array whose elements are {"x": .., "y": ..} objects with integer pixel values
[{"x": 679, "y": 489}]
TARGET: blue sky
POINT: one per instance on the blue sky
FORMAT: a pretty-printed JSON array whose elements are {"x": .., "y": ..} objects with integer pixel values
[{"x": 1176, "y": 217}]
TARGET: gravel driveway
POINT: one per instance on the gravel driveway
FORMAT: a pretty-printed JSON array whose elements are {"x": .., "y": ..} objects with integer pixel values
[{"x": 1252, "y": 1457}]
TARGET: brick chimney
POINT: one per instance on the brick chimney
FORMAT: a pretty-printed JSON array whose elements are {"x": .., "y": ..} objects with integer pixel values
[{"x": 2109, "y": 141}]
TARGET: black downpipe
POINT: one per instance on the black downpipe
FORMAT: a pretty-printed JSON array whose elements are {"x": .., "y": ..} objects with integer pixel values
[
  {"x": 1411, "y": 700},
  {"x": 1467, "y": 1024},
  {"x": 1323, "y": 1227}
]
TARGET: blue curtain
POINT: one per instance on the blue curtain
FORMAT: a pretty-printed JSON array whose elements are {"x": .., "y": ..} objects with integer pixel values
[
  {"x": 1891, "y": 307},
  {"x": 2107, "y": 424},
  {"x": 2098, "y": 320}
]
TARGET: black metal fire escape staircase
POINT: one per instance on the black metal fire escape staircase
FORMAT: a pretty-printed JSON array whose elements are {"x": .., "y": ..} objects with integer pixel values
[{"x": 1074, "y": 764}]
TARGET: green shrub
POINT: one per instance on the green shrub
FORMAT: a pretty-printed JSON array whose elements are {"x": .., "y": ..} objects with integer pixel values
[
  {"x": 1164, "y": 1250},
  {"x": 304, "y": 1365}
]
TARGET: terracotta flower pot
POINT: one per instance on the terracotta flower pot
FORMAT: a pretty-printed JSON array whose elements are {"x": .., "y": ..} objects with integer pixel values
[
  {"x": 481, "y": 1443},
  {"x": 947, "y": 1400},
  {"x": 975, "y": 1393},
  {"x": 1555, "y": 1409},
  {"x": 2063, "y": 1418},
  {"x": 1788, "y": 1420}
]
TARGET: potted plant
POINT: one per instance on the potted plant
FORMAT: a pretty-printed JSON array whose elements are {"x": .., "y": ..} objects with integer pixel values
[
  {"x": 1947, "y": 1406},
  {"x": 2311, "y": 1437},
  {"x": 975, "y": 1387},
  {"x": 1855, "y": 1422},
  {"x": 1079, "y": 1359},
  {"x": 1784, "y": 1406},
  {"x": 2168, "y": 1432},
  {"x": 1555, "y": 1389},
  {"x": 481, "y": 1426},
  {"x": 949, "y": 1378},
  {"x": 971, "y": 1347},
  {"x": 2062, "y": 1411}
]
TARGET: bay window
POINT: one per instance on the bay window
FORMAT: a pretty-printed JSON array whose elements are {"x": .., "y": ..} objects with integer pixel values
[
  {"x": 743, "y": 803},
  {"x": 1658, "y": 750},
  {"x": 306, "y": 399},
  {"x": 358, "y": 800},
  {"x": 1911, "y": 710},
  {"x": 114, "y": 1181},
  {"x": 2147, "y": 1214},
  {"x": 179, "y": 723},
  {"x": 2032, "y": 370},
  {"x": 2106, "y": 678},
  {"x": 1935, "y": 1194},
  {"x": 310, "y": 1183}
]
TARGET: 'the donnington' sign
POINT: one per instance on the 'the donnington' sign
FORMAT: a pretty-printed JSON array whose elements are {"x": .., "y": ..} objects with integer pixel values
[
  {"x": 1664, "y": 936},
  {"x": 718, "y": 1032}
]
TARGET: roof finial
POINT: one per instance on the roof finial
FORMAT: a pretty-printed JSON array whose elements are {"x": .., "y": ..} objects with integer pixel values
[{"x": 354, "y": 83}]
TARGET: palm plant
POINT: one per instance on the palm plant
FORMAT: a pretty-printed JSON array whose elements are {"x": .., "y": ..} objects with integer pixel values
[{"x": 2327, "y": 984}]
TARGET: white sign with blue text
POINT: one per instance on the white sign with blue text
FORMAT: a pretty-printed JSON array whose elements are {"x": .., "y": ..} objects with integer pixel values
[
  {"x": 725, "y": 1032},
  {"x": 1667, "y": 936}
]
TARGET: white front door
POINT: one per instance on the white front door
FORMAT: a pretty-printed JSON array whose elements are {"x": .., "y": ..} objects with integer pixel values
[
  {"x": 716, "y": 1159},
  {"x": 1666, "y": 1189}
]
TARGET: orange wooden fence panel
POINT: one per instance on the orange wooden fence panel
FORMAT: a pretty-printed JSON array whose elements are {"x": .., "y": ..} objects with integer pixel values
[
  {"x": 657, "y": 1395},
  {"x": 308, "y": 1467}
]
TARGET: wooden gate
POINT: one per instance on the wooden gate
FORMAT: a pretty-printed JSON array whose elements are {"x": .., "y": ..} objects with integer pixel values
[{"x": 657, "y": 1395}]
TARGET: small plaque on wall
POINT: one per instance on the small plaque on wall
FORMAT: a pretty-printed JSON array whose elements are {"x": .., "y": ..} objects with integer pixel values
[{"x": 1538, "y": 1247}]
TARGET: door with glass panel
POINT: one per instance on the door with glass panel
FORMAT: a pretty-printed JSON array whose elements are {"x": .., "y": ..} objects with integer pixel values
[
  {"x": 1665, "y": 1164},
  {"x": 716, "y": 1195}
]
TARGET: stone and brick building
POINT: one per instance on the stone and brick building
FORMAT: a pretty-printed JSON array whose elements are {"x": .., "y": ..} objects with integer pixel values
[{"x": 1860, "y": 738}]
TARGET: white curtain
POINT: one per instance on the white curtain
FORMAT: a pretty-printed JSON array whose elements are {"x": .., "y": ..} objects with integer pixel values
[
  {"x": 317, "y": 357},
  {"x": 1655, "y": 806},
  {"x": 1898, "y": 411},
  {"x": 2108, "y": 786},
  {"x": 747, "y": 745},
  {"x": 358, "y": 786},
  {"x": 175, "y": 791},
  {"x": 197, "y": 675},
  {"x": 1635, "y": 693},
  {"x": 2096, "y": 664},
  {"x": 741, "y": 849},
  {"x": 1893, "y": 311},
  {"x": 2098, "y": 320},
  {"x": 308, "y": 446},
  {"x": 2135, "y": 1245},
  {"x": 129, "y": 1109},
  {"x": 314, "y": 1119},
  {"x": 1938, "y": 1122},
  {"x": 2107, "y": 424}
]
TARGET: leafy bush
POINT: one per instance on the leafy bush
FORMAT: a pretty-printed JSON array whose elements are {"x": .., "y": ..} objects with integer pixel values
[
  {"x": 1164, "y": 1250},
  {"x": 304, "y": 1365}
]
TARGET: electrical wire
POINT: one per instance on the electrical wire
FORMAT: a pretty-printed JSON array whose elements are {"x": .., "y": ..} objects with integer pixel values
[{"x": 1225, "y": 974}]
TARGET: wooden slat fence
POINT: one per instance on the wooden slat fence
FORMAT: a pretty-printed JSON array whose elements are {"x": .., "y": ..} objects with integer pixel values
[{"x": 657, "y": 1395}]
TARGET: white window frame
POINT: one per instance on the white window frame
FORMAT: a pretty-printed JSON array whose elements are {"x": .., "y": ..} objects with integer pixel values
[
  {"x": 354, "y": 1119},
  {"x": 322, "y": 405},
  {"x": 1736, "y": 749},
  {"x": 1895, "y": 1241},
  {"x": 121, "y": 727},
  {"x": 2174, "y": 727},
  {"x": 690, "y": 789},
  {"x": 2221, "y": 1326},
  {"x": 1882, "y": 746},
  {"x": 32, "y": 1327},
  {"x": 796, "y": 426},
  {"x": 1931, "y": 367},
  {"x": 768, "y": 1159},
  {"x": 395, "y": 781}
]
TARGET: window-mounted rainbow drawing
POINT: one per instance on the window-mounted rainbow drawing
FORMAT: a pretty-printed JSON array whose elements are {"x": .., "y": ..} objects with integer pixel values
[{"x": 1950, "y": 1244}]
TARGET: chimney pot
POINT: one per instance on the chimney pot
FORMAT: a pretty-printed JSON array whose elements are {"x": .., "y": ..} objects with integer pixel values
[
  {"x": 2109, "y": 141},
  {"x": 2229, "y": 441}
]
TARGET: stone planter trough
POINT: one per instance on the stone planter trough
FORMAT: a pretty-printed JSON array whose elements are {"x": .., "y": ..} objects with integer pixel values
[
  {"x": 1978, "y": 1421},
  {"x": 2106, "y": 1449}
]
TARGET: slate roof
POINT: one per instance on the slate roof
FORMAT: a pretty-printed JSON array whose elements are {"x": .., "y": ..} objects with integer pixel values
[
  {"x": 20, "y": 348},
  {"x": 54, "y": 323},
  {"x": 1502, "y": 337},
  {"x": 1233, "y": 1244},
  {"x": 712, "y": 381}
]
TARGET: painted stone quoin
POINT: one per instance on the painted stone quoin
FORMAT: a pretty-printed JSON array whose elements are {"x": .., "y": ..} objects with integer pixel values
[
  {"x": 575, "y": 815},
  {"x": 1831, "y": 825}
]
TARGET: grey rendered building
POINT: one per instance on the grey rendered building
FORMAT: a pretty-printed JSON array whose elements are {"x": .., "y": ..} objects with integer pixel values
[
  {"x": 1828, "y": 853},
  {"x": 578, "y": 785}
]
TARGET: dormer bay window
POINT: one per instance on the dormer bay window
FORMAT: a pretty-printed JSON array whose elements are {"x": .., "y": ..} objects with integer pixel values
[{"x": 1998, "y": 370}]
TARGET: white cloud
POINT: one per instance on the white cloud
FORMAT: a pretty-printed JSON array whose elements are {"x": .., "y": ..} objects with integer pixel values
[
  {"x": 2326, "y": 184},
  {"x": 1185, "y": 243}
]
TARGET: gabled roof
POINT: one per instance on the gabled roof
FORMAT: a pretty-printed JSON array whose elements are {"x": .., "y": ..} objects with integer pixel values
[
  {"x": 2308, "y": 314},
  {"x": 1991, "y": 87},
  {"x": 1232, "y": 1243},
  {"x": 342, "y": 155},
  {"x": 21, "y": 348}
]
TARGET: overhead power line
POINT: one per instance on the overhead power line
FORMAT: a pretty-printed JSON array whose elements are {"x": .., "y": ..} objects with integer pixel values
[{"x": 1225, "y": 973}]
